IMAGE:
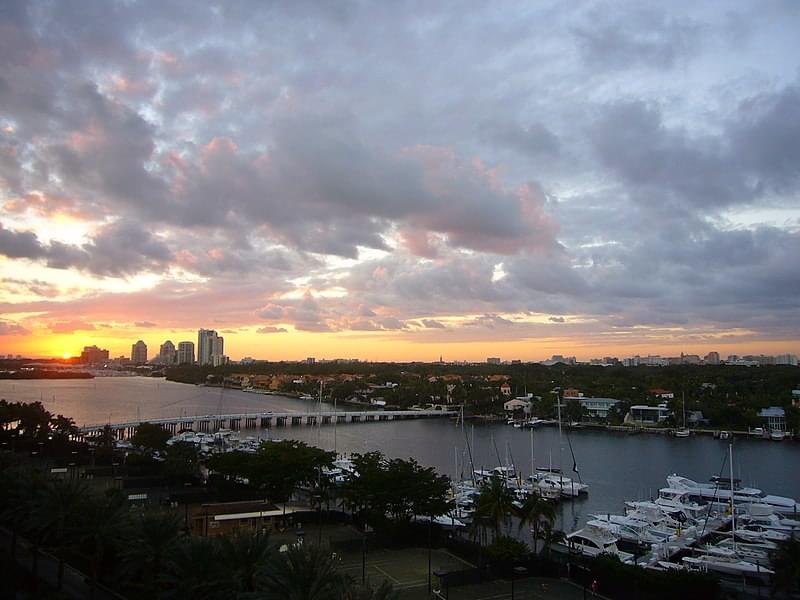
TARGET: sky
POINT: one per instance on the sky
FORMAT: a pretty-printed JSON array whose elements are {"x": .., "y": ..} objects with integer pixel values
[{"x": 401, "y": 180}]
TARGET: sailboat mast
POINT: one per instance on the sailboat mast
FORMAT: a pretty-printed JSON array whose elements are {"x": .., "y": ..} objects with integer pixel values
[
  {"x": 560, "y": 442},
  {"x": 335, "y": 420},
  {"x": 733, "y": 509},
  {"x": 533, "y": 463},
  {"x": 683, "y": 402}
]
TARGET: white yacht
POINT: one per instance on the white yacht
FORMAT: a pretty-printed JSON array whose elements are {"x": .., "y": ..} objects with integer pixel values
[
  {"x": 749, "y": 552},
  {"x": 728, "y": 565},
  {"x": 594, "y": 541},
  {"x": 774, "y": 522},
  {"x": 672, "y": 500},
  {"x": 722, "y": 488},
  {"x": 632, "y": 530},
  {"x": 553, "y": 478},
  {"x": 758, "y": 533}
]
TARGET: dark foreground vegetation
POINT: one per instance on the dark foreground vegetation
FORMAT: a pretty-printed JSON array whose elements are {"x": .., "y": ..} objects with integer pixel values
[
  {"x": 66, "y": 505},
  {"x": 729, "y": 397}
]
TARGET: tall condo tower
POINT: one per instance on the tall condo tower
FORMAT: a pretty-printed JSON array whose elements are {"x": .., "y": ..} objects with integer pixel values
[
  {"x": 186, "y": 353},
  {"x": 210, "y": 348},
  {"x": 139, "y": 353}
]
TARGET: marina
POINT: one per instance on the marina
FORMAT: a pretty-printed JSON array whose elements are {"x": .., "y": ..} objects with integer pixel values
[{"x": 617, "y": 467}]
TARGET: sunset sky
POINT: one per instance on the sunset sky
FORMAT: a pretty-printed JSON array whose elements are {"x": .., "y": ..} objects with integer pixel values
[{"x": 401, "y": 180}]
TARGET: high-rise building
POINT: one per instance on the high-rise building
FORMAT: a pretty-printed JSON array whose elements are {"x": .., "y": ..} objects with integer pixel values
[
  {"x": 167, "y": 355},
  {"x": 186, "y": 353},
  {"x": 139, "y": 353},
  {"x": 712, "y": 358},
  {"x": 210, "y": 348},
  {"x": 493, "y": 360},
  {"x": 93, "y": 355}
]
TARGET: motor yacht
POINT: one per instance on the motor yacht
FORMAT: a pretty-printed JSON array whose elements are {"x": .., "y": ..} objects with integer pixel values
[
  {"x": 594, "y": 541},
  {"x": 632, "y": 530},
  {"x": 722, "y": 488},
  {"x": 553, "y": 478},
  {"x": 742, "y": 551},
  {"x": 728, "y": 565},
  {"x": 757, "y": 533},
  {"x": 672, "y": 500}
]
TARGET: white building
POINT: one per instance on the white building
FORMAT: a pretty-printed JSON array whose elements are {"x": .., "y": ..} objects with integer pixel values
[
  {"x": 518, "y": 404},
  {"x": 646, "y": 415},
  {"x": 210, "y": 348},
  {"x": 139, "y": 353},
  {"x": 186, "y": 353},
  {"x": 596, "y": 407},
  {"x": 167, "y": 355}
]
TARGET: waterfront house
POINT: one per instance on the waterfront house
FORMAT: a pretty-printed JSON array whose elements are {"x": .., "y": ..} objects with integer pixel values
[
  {"x": 220, "y": 518},
  {"x": 597, "y": 408},
  {"x": 776, "y": 418},
  {"x": 517, "y": 407},
  {"x": 641, "y": 414}
]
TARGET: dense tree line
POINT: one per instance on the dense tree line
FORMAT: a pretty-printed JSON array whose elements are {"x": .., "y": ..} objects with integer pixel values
[{"x": 149, "y": 555}]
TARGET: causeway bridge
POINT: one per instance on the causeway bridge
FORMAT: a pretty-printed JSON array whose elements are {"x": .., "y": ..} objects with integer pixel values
[{"x": 237, "y": 422}]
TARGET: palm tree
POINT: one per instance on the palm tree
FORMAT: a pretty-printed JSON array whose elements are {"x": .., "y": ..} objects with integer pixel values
[
  {"x": 148, "y": 544},
  {"x": 198, "y": 571},
  {"x": 495, "y": 504},
  {"x": 25, "y": 489},
  {"x": 58, "y": 503},
  {"x": 551, "y": 536},
  {"x": 786, "y": 562},
  {"x": 356, "y": 591},
  {"x": 536, "y": 512},
  {"x": 303, "y": 572},
  {"x": 99, "y": 528},
  {"x": 246, "y": 553}
]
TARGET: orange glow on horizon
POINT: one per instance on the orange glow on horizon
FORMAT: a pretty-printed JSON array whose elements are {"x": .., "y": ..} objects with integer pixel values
[{"x": 378, "y": 346}]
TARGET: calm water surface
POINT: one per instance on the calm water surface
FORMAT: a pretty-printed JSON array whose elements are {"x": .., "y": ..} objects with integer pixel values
[{"x": 617, "y": 467}]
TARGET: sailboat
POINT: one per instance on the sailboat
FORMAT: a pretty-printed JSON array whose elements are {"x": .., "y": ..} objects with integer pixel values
[{"x": 684, "y": 432}]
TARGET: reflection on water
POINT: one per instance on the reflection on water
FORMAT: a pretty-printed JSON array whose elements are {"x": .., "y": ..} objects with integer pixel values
[{"x": 617, "y": 467}]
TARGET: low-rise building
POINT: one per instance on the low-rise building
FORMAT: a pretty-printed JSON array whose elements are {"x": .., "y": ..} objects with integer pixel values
[
  {"x": 517, "y": 406},
  {"x": 226, "y": 517},
  {"x": 775, "y": 416},
  {"x": 641, "y": 414},
  {"x": 596, "y": 408}
]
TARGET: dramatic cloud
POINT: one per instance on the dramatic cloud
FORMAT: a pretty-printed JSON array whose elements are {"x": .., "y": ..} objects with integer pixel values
[
  {"x": 9, "y": 328},
  {"x": 271, "y": 329},
  {"x": 609, "y": 174},
  {"x": 71, "y": 326}
]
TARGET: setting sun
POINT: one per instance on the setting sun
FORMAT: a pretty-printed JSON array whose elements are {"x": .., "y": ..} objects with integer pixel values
[{"x": 66, "y": 355}]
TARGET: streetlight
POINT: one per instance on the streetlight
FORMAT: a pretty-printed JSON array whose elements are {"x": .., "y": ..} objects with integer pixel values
[
  {"x": 442, "y": 575},
  {"x": 364, "y": 532},
  {"x": 516, "y": 571},
  {"x": 430, "y": 526}
]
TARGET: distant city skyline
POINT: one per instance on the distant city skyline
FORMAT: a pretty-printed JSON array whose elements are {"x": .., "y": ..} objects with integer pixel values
[{"x": 394, "y": 182}]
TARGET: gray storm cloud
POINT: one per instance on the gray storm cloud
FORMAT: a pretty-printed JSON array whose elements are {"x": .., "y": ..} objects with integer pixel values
[{"x": 622, "y": 163}]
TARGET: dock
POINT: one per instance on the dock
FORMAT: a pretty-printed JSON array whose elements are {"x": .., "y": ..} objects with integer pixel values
[{"x": 262, "y": 420}]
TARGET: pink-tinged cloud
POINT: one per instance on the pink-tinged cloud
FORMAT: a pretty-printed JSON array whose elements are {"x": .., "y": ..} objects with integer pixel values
[
  {"x": 71, "y": 326},
  {"x": 473, "y": 210},
  {"x": 51, "y": 206},
  {"x": 420, "y": 243},
  {"x": 134, "y": 87},
  {"x": 270, "y": 329},
  {"x": 11, "y": 328}
]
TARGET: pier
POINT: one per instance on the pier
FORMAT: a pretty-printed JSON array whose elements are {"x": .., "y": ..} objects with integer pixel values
[{"x": 237, "y": 422}]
